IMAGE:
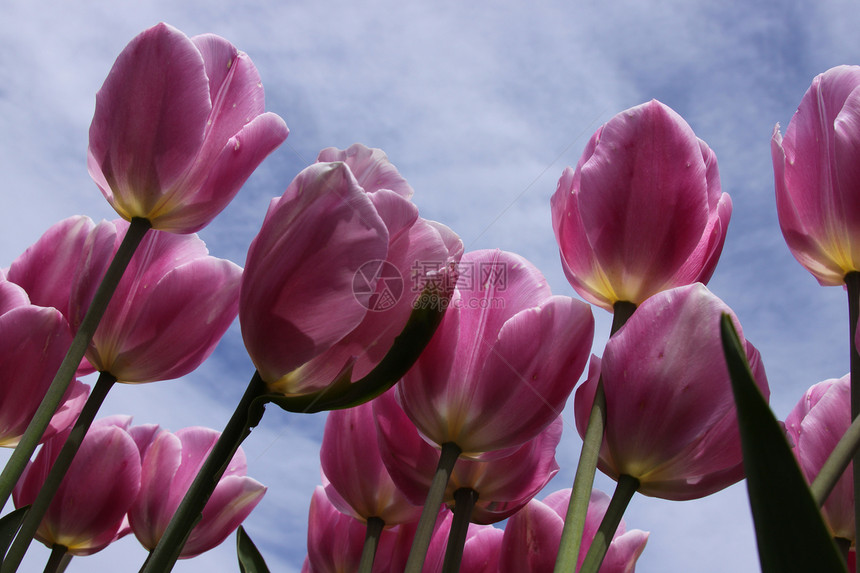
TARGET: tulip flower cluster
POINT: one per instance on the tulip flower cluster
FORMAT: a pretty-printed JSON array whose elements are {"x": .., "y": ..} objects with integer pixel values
[{"x": 446, "y": 373}]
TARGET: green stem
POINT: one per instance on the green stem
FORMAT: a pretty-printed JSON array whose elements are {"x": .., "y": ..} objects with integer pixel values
[
  {"x": 574, "y": 521},
  {"x": 421, "y": 541},
  {"x": 464, "y": 503},
  {"x": 621, "y": 313},
  {"x": 836, "y": 463},
  {"x": 40, "y": 506},
  {"x": 245, "y": 417},
  {"x": 375, "y": 525},
  {"x": 852, "y": 281},
  {"x": 59, "y": 559},
  {"x": 33, "y": 435},
  {"x": 627, "y": 486}
]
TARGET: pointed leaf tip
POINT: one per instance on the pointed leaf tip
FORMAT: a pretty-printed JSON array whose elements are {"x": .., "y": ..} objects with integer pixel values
[{"x": 790, "y": 532}]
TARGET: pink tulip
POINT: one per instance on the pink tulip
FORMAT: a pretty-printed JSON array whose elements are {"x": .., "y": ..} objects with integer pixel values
[
  {"x": 313, "y": 302},
  {"x": 359, "y": 484},
  {"x": 46, "y": 270},
  {"x": 670, "y": 413},
  {"x": 481, "y": 553},
  {"x": 503, "y": 484},
  {"x": 815, "y": 425},
  {"x": 532, "y": 537},
  {"x": 170, "y": 463},
  {"x": 89, "y": 508},
  {"x": 169, "y": 311},
  {"x": 643, "y": 210},
  {"x": 33, "y": 342},
  {"x": 336, "y": 540},
  {"x": 179, "y": 126},
  {"x": 501, "y": 365},
  {"x": 818, "y": 178}
]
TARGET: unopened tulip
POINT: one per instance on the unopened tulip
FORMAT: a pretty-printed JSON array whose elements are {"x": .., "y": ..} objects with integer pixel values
[
  {"x": 504, "y": 484},
  {"x": 335, "y": 271},
  {"x": 169, "y": 311},
  {"x": 643, "y": 210},
  {"x": 815, "y": 425},
  {"x": 670, "y": 414},
  {"x": 817, "y": 172},
  {"x": 33, "y": 342},
  {"x": 169, "y": 466},
  {"x": 359, "y": 484},
  {"x": 179, "y": 125},
  {"x": 532, "y": 536},
  {"x": 89, "y": 508},
  {"x": 502, "y": 364}
]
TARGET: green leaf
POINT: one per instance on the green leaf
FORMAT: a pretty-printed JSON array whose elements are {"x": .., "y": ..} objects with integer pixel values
[
  {"x": 9, "y": 525},
  {"x": 790, "y": 532},
  {"x": 250, "y": 560}
]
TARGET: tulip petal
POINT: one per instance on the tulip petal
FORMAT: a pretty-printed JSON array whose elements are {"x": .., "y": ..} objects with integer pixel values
[
  {"x": 287, "y": 295},
  {"x": 150, "y": 112}
]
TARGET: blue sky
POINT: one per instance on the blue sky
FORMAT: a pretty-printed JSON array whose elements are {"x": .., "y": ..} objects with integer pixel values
[{"x": 481, "y": 107}]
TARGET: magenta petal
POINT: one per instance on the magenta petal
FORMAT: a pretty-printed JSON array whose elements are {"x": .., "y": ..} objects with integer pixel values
[
  {"x": 12, "y": 296},
  {"x": 288, "y": 297},
  {"x": 531, "y": 539},
  {"x": 47, "y": 268},
  {"x": 371, "y": 168},
  {"x": 98, "y": 489},
  {"x": 232, "y": 501},
  {"x": 817, "y": 178},
  {"x": 671, "y": 420},
  {"x": 532, "y": 369},
  {"x": 154, "y": 506},
  {"x": 34, "y": 342},
  {"x": 231, "y": 166},
  {"x": 154, "y": 103},
  {"x": 350, "y": 449}
]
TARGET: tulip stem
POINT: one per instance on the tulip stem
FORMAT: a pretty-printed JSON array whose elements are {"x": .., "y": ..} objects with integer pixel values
[
  {"x": 59, "y": 559},
  {"x": 247, "y": 415},
  {"x": 852, "y": 282},
  {"x": 435, "y": 497},
  {"x": 464, "y": 503},
  {"x": 624, "y": 490},
  {"x": 577, "y": 508},
  {"x": 574, "y": 521},
  {"x": 375, "y": 525},
  {"x": 61, "y": 464},
  {"x": 836, "y": 463},
  {"x": 42, "y": 418}
]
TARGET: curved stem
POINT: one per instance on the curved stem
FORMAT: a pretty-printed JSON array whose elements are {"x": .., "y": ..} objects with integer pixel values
[
  {"x": 59, "y": 559},
  {"x": 33, "y": 435},
  {"x": 40, "y": 506},
  {"x": 574, "y": 521},
  {"x": 375, "y": 525},
  {"x": 627, "y": 486},
  {"x": 464, "y": 503},
  {"x": 165, "y": 554},
  {"x": 852, "y": 281},
  {"x": 421, "y": 541}
]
